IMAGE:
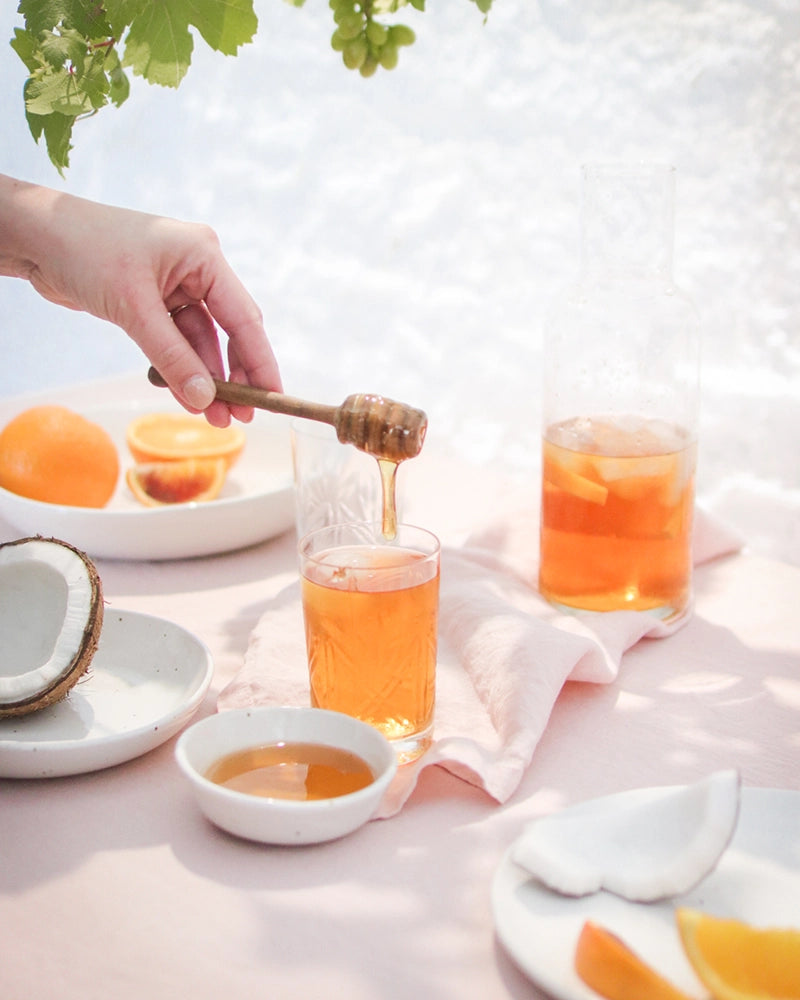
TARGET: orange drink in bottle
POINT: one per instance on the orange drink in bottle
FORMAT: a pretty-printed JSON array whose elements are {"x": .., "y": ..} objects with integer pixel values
[
  {"x": 617, "y": 502},
  {"x": 620, "y": 404},
  {"x": 371, "y": 614}
]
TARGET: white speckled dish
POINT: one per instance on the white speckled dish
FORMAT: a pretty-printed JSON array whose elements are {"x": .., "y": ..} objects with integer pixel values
[
  {"x": 275, "y": 820},
  {"x": 146, "y": 680}
]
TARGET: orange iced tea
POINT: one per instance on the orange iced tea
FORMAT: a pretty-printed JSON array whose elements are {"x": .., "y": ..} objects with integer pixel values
[
  {"x": 617, "y": 502},
  {"x": 371, "y": 613}
]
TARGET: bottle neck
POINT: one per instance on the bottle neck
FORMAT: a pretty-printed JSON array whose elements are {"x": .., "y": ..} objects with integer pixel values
[{"x": 627, "y": 222}]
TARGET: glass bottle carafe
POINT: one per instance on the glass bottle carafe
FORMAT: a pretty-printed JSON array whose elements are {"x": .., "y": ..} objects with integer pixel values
[{"x": 620, "y": 408}]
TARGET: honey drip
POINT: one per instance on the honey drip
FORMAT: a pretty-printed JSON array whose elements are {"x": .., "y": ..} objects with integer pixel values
[{"x": 388, "y": 472}]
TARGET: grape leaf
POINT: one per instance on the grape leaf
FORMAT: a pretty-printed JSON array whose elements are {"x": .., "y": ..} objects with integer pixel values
[
  {"x": 225, "y": 25},
  {"x": 24, "y": 44},
  {"x": 159, "y": 45},
  {"x": 93, "y": 79},
  {"x": 120, "y": 13},
  {"x": 119, "y": 84},
  {"x": 57, "y": 131},
  {"x": 56, "y": 91},
  {"x": 66, "y": 47},
  {"x": 75, "y": 51},
  {"x": 44, "y": 15}
]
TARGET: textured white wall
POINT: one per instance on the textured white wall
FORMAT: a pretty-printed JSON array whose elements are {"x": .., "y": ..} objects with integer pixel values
[{"x": 403, "y": 234}]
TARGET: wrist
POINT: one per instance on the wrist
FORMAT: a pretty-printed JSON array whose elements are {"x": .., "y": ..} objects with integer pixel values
[{"x": 24, "y": 210}]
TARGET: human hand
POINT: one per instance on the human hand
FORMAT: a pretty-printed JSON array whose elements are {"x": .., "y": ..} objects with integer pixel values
[{"x": 165, "y": 283}]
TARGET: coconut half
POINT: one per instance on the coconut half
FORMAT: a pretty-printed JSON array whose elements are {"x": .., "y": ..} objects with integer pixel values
[
  {"x": 643, "y": 846},
  {"x": 51, "y": 615}
]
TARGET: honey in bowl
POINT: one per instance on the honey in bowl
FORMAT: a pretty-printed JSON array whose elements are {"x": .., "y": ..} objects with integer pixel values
[{"x": 302, "y": 772}]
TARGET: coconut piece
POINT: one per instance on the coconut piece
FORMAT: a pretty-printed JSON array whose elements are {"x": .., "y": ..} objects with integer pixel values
[
  {"x": 643, "y": 846},
  {"x": 51, "y": 615}
]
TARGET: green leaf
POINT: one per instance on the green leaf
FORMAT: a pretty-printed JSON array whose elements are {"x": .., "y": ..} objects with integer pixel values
[
  {"x": 56, "y": 91},
  {"x": 119, "y": 84},
  {"x": 87, "y": 18},
  {"x": 158, "y": 45},
  {"x": 67, "y": 47},
  {"x": 24, "y": 44},
  {"x": 120, "y": 14},
  {"x": 93, "y": 80},
  {"x": 43, "y": 15},
  {"x": 58, "y": 137},
  {"x": 225, "y": 25},
  {"x": 57, "y": 131}
]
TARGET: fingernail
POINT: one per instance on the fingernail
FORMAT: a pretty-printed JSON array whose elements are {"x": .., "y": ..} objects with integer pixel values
[{"x": 199, "y": 392}]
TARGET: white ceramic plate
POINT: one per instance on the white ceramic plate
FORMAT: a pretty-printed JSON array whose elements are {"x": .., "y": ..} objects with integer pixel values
[
  {"x": 256, "y": 503},
  {"x": 148, "y": 677},
  {"x": 757, "y": 880}
]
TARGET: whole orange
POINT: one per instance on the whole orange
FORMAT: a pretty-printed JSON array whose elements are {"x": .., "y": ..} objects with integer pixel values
[{"x": 53, "y": 454}]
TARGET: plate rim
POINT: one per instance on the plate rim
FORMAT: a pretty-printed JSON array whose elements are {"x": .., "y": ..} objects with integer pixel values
[
  {"x": 509, "y": 875},
  {"x": 126, "y": 745},
  {"x": 94, "y": 529}
]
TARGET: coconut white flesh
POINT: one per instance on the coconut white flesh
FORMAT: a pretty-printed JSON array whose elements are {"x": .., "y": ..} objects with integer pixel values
[
  {"x": 47, "y": 598},
  {"x": 651, "y": 845}
]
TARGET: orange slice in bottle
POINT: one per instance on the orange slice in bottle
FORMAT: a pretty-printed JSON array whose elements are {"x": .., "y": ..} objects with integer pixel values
[
  {"x": 609, "y": 967},
  {"x": 192, "y": 479},
  {"x": 736, "y": 961},
  {"x": 171, "y": 437},
  {"x": 576, "y": 485}
]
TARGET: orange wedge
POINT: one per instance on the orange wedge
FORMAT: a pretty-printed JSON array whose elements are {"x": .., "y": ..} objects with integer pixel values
[
  {"x": 736, "y": 961},
  {"x": 172, "y": 437},
  {"x": 608, "y": 966},
  {"x": 193, "y": 479},
  {"x": 571, "y": 482}
]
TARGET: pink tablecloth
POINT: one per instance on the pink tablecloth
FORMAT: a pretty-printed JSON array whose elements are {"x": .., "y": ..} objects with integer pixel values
[{"x": 113, "y": 885}]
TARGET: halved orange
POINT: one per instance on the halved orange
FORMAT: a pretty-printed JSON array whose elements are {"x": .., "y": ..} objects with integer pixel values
[
  {"x": 172, "y": 437},
  {"x": 192, "y": 479},
  {"x": 608, "y": 966},
  {"x": 736, "y": 961}
]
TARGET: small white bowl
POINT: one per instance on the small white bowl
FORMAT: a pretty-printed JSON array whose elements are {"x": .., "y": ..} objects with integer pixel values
[{"x": 274, "y": 820}]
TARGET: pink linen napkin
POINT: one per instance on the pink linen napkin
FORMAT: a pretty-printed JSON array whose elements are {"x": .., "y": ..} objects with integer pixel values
[{"x": 504, "y": 655}]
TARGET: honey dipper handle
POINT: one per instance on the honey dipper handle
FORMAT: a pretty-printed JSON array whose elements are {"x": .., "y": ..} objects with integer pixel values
[{"x": 263, "y": 399}]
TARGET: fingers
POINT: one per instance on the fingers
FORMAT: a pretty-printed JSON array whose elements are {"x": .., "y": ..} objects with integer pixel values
[
  {"x": 185, "y": 352},
  {"x": 198, "y": 329},
  {"x": 203, "y": 293},
  {"x": 249, "y": 350}
]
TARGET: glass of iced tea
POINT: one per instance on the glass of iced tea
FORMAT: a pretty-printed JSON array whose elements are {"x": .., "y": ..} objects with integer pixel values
[{"x": 371, "y": 617}]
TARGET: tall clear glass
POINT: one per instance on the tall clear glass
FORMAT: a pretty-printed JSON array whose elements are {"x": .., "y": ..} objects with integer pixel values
[
  {"x": 371, "y": 608},
  {"x": 620, "y": 405}
]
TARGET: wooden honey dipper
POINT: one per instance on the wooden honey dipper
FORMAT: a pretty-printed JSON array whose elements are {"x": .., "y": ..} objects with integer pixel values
[{"x": 372, "y": 423}]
